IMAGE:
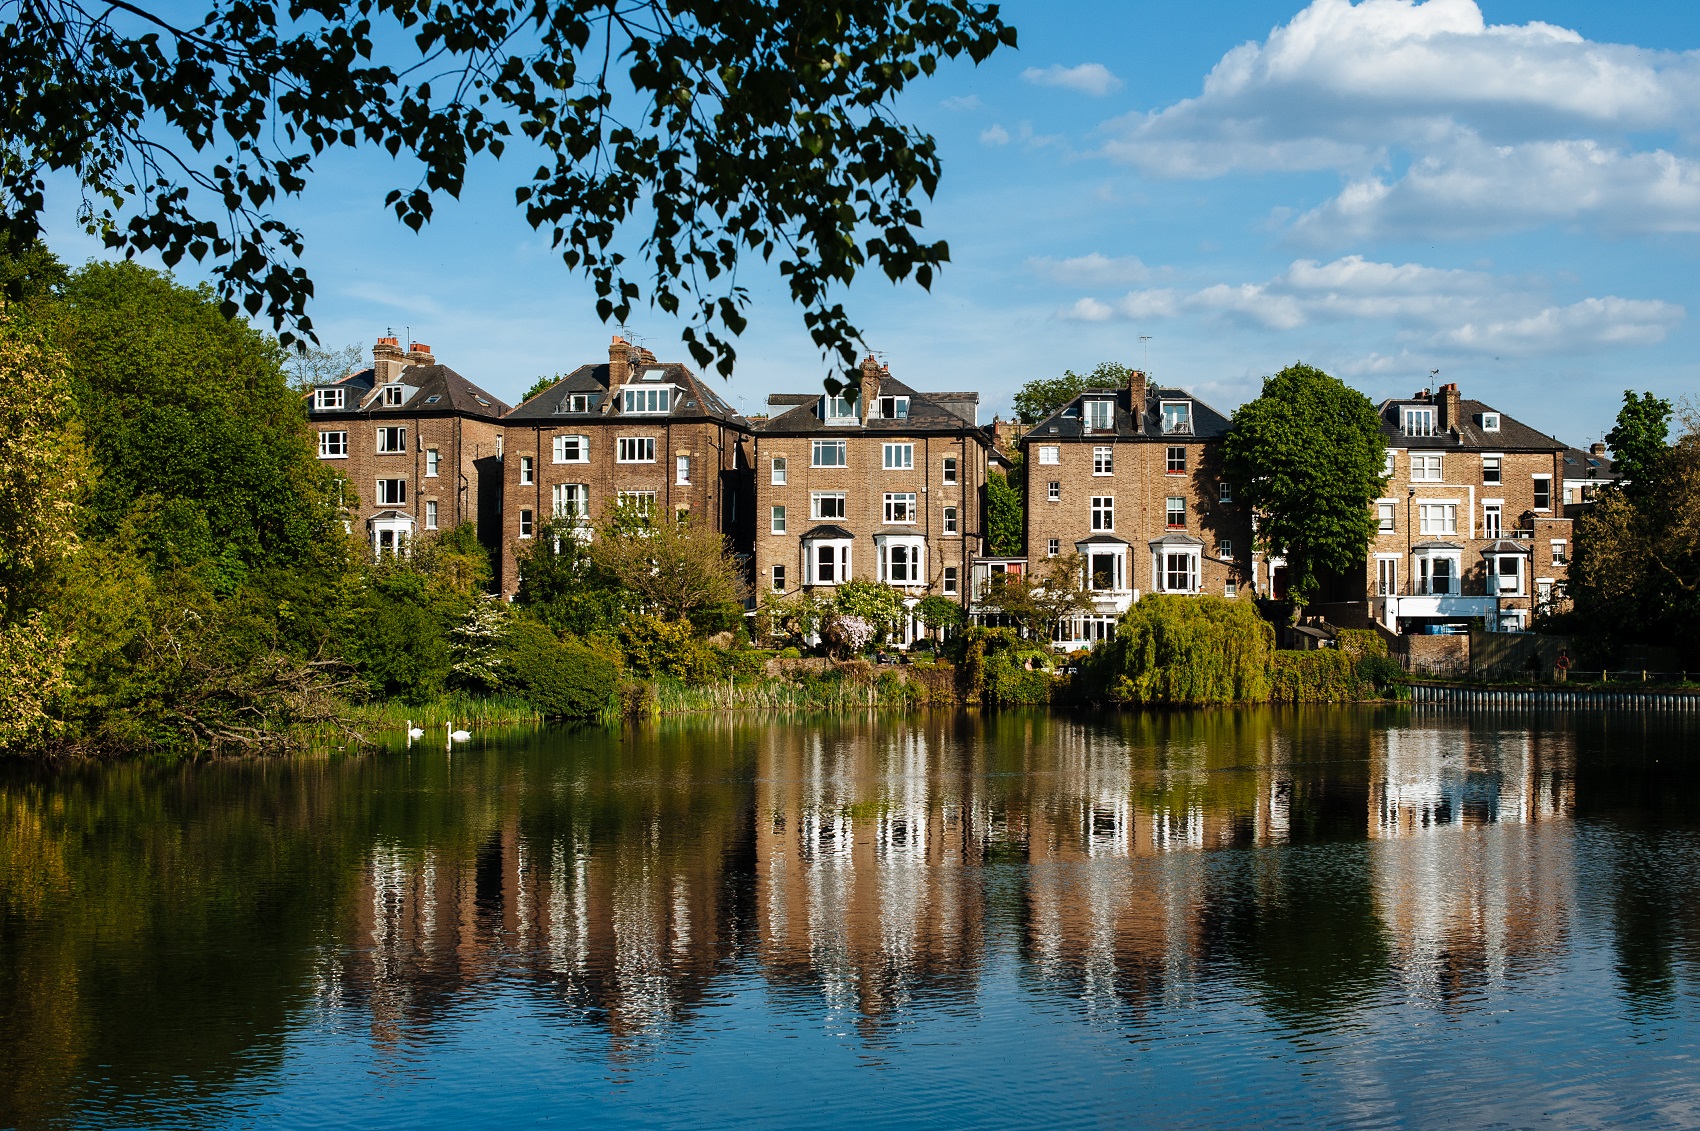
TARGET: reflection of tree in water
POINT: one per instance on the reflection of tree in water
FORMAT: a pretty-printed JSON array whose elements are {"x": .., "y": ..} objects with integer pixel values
[{"x": 1637, "y": 782}]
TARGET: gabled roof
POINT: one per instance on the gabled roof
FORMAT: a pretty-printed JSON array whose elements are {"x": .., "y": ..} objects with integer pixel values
[
  {"x": 437, "y": 390},
  {"x": 1067, "y": 423},
  {"x": 697, "y": 401},
  {"x": 1469, "y": 435},
  {"x": 928, "y": 413}
]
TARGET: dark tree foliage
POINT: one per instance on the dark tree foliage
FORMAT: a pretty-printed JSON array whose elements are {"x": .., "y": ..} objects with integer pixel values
[
  {"x": 717, "y": 128},
  {"x": 1006, "y": 517},
  {"x": 1307, "y": 457},
  {"x": 1640, "y": 440},
  {"x": 1038, "y": 399}
]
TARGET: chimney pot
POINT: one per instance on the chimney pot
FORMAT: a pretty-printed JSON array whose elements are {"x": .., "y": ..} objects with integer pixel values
[{"x": 1597, "y": 450}]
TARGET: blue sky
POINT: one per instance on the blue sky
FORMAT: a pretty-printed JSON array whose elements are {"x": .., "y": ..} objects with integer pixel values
[{"x": 1508, "y": 192}]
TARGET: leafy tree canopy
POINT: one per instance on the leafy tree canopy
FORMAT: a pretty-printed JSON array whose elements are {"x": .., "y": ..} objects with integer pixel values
[
  {"x": 1005, "y": 515},
  {"x": 666, "y": 138},
  {"x": 1043, "y": 597},
  {"x": 672, "y": 568},
  {"x": 1639, "y": 441},
  {"x": 541, "y": 385},
  {"x": 1307, "y": 457},
  {"x": 1038, "y": 399}
]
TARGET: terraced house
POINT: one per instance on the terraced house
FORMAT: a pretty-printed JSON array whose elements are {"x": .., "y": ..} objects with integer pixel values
[
  {"x": 1472, "y": 524},
  {"x": 419, "y": 445},
  {"x": 632, "y": 429},
  {"x": 1128, "y": 479},
  {"x": 887, "y": 487}
]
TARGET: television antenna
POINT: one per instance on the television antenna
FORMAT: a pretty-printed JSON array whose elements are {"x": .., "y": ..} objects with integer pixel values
[{"x": 1145, "y": 343}]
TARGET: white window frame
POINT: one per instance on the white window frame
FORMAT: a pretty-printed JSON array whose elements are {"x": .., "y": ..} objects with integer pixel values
[
  {"x": 1103, "y": 460},
  {"x": 837, "y": 410},
  {"x": 397, "y": 499},
  {"x": 650, "y": 400},
  {"x": 1119, "y": 581},
  {"x": 430, "y": 514},
  {"x": 1422, "y": 463},
  {"x": 914, "y": 552},
  {"x": 776, "y": 520},
  {"x": 1444, "y": 509},
  {"x": 1423, "y": 570},
  {"x": 1099, "y": 415},
  {"x": 578, "y": 402},
  {"x": 838, "y": 497},
  {"x": 1536, "y": 480},
  {"x": 525, "y": 522},
  {"x": 336, "y": 448},
  {"x": 898, "y": 457},
  {"x": 949, "y": 473},
  {"x": 389, "y": 434},
  {"x": 1053, "y": 547},
  {"x": 1386, "y": 515},
  {"x": 1103, "y": 511},
  {"x": 777, "y": 471},
  {"x": 392, "y": 395},
  {"x": 839, "y": 548},
  {"x": 1494, "y": 568},
  {"x": 1560, "y": 551},
  {"x": 682, "y": 471},
  {"x": 1496, "y": 465},
  {"x": 1169, "y": 458},
  {"x": 527, "y": 472},
  {"x": 433, "y": 461},
  {"x": 1418, "y": 420},
  {"x": 949, "y": 583},
  {"x": 329, "y": 398},
  {"x": 836, "y": 448},
  {"x": 635, "y": 449},
  {"x": 1163, "y": 571},
  {"x": 1493, "y": 518},
  {"x": 779, "y": 578},
  {"x": 899, "y": 406},
  {"x": 1178, "y": 423},
  {"x": 1490, "y": 422},
  {"x": 571, "y": 449},
  {"x": 1050, "y": 454},
  {"x": 950, "y": 523},
  {"x": 1170, "y": 510},
  {"x": 1225, "y": 549},
  {"x": 645, "y": 500},
  {"x": 1387, "y": 462},
  {"x": 570, "y": 500},
  {"x": 1387, "y": 575},
  {"x": 1224, "y": 491},
  {"x": 901, "y": 503},
  {"x": 1053, "y": 491}
]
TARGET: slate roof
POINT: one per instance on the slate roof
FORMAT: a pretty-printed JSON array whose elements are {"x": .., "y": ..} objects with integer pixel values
[
  {"x": 828, "y": 530},
  {"x": 1513, "y": 434},
  {"x": 1147, "y": 424},
  {"x": 1579, "y": 464},
  {"x": 1507, "y": 546},
  {"x": 697, "y": 401},
  {"x": 928, "y": 413},
  {"x": 435, "y": 390}
]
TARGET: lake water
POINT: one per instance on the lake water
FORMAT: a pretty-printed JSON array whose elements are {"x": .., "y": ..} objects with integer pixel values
[{"x": 1352, "y": 917}]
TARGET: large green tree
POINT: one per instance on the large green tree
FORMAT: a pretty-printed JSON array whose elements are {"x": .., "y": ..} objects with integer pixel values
[
  {"x": 1307, "y": 457},
  {"x": 1006, "y": 516},
  {"x": 1039, "y": 398},
  {"x": 1640, "y": 440},
  {"x": 671, "y": 138}
]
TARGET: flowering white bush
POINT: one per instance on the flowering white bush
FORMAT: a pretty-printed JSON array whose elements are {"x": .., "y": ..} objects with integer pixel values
[{"x": 851, "y": 633}]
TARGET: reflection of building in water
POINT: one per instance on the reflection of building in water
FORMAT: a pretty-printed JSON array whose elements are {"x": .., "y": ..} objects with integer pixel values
[
  {"x": 1466, "y": 885},
  {"x": 628, "y": 935},
  {"x": 863, "y": 843}
]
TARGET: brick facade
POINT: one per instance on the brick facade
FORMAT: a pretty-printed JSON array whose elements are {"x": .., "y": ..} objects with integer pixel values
[
  {"x": 576, "y": 445},
  {"x": 1471, "y": 490},
  {"x": 1147, "y": 447},
  {"x": 419, "y": 446},
  {"x": 876, "y": 516}
]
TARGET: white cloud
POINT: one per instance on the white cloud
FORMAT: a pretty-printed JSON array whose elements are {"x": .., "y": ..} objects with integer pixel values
[
  {"x": 1440, "y": 310},
  {"x": 1496, "y": 125},
  {"x": 1087, "y": 78},
  {"x": 994, "y": 134},
  {"x": 1092, "y": 270},
  {"x": 962, "y": 102}
]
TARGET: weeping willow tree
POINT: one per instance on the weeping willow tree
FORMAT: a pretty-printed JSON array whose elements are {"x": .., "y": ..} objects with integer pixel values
[{"x": 1185, "y": 650}]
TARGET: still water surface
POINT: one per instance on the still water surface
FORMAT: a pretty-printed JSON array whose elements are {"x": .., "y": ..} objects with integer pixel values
[{"x": 1347, "y": 917}]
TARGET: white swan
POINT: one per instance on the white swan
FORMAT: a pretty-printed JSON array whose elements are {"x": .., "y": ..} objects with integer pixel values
[
  {"x": 459, "y": 735},
  {"x": 413, "y": 731}
]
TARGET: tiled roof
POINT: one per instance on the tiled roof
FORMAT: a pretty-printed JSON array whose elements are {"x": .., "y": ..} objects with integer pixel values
[
  {"x": 828, "y": 531},
  {"x": 928, "y": 413},
  {"x": 1579, "y": 464},
  {"x": 1147, "y": 424},
  {"x": 437, "y": 389},
  {"x": 696, "y": 399},
  {"x": 1513, "y": 435}
]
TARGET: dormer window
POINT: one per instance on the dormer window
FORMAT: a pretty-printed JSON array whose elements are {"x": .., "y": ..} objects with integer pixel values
[
  {"x": 328, "y": 398},
  {"x": 1099, "y": 415},
  {"x": 578, "y": 402},
  {"x": 1177, "y": 418},
  {"x": 1490, "y": 422},
  {"x": 894, "y": 408},
  {"x": 646, "y": 400},
  {"x": 1419, "y": 422},
  {"x": 837, "y": 410},
  {"x": 392, "y": 395}
]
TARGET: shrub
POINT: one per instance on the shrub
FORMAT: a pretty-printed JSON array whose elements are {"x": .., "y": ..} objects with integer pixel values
[
  {"x": 1008, "y": 682},
  {"x": 1382, "y": 672},
  {"x": 1326, "y": 675},
  {"x": 1171, "y": 649},
  {"x": 668, "y": 647},
  {"x": 561, "y": 680},
  {"x": 1360, "y": 643}
]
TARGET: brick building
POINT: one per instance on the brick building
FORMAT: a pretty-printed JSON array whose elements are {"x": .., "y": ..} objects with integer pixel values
[
  {"x": 1471, "y": 524},
  {"x": 886, "y": 488},
  {"x": 420, "y": 445},
  {"x": 1128, "y": 478},
  {"x": 633, "y": 429}
]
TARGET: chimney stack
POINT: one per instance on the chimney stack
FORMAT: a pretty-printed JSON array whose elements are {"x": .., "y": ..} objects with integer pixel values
[
  {"x": 1451, "y": 406},
  {"x": 872, "y": 374},
  {"x": 1598, "y": 451},
  {"x": 420, "y": 354},
  {"x": 1136, "y": 389},
  {"x": 387, "y": 361},
  {"x": 619, "y": 361}
]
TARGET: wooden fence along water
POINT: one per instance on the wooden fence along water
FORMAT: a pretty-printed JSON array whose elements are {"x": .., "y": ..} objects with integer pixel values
[{"x": 1555, "y": 698}]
